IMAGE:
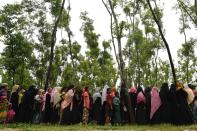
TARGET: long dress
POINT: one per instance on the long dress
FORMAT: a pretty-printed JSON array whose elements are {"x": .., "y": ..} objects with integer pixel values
[
  {"x": 156, "y": 103},
  {"x": 28, "y": 103},
  {"x": 185, "y": 114},
  {"x": 166, "y": 109},
  {"x": 141, "y": 113},
  {"x": 66, "y": 108},
  {"x": 75, "y": 110},
  {"x": 148, "y": 102},
  {"x": 133, "y": 97},
  {"x": 48, "y": 109},
  {"x": 116, "y": 117},
  {"x": 37, "y": 109},
  {"x": 127, "y": 114},
  {"x": 97, "y": 110},
  {"x": 3, "y": 105},
  {"x": 15, "y": 106}
]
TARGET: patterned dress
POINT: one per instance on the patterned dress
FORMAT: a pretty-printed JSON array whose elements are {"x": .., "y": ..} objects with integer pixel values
[{"x": 3, "y": 105}]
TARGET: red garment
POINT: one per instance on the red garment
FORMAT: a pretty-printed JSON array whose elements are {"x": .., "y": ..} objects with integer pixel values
[
  {"x": 133, "y": 89},
  {"x": 86, "y": 100},
  {"x": 141, "y": 98},
  {"x": 109, "y": 99}
]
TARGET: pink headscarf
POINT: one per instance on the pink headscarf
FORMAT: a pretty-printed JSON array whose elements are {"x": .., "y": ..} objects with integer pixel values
[
  {"x": 133, "y": 89},
  {"x": 155, "y": 101},
  {"x": 68, "y": 99},
  {"x": 141, "y": 98}
]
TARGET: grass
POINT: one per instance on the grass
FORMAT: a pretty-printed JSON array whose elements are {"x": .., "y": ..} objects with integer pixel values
[{"x": 49, "y": 127}]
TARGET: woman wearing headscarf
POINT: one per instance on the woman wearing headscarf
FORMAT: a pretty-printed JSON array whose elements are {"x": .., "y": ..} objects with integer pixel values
[
  {"x": 133, "y": 97},
  {"x": 183, "y": 114},
  {"x": 3, "y": 102},
  {"x": 141, "y": 114},
  {"x": 155, "y": 105},
  {"x": 116, "y": 117},
  {"x": 67, "y": 106},
  {"x": 148, "y": 102},
  {"x": 28, "y": 104},
  {"x": 76, "y": 111},
  {"x": 96, "y": 106},
  {"x": 55, "y": 100},
  {"x": 20, "y": 104},
  {"x": 165, "y": 109},
  {"x": 38, "y": 107},
  {"x": 127, "y": 111},
  {"x": 14, "y": 99},
  {"x": 86, "y": 105},
  {"x": 103, "y": 102},
  {"x": 48, "y": 107},
  {"x": 108, "y": 107}
]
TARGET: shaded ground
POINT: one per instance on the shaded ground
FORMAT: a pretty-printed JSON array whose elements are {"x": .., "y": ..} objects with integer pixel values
[{"x": 45, "y": 127}]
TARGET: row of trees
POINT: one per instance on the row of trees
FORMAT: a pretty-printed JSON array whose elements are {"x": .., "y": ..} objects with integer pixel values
[{"x": 34, "y": 53}]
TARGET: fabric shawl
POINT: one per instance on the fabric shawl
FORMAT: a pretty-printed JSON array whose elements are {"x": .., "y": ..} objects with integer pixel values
[
  {"x": 190, "y": 95},
  {"x": 155, "y": 101},
  {"x": 141, "y": 98},
  {"x": 133, "y": 89},
  {"x": 56, "y": 96},
  {"x": 68, "y": 98},
  {"x": 86, "y": 99},
  {"x": 104, "y": 94}
]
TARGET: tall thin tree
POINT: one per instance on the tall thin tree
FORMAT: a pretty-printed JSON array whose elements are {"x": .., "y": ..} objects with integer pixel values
[
  {"x": 53, "y": 41},
  {"x": 158, "y": 22}
]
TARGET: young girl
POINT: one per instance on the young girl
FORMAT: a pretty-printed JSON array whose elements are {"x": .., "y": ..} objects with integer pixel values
[{"x": 116, "y": 117}]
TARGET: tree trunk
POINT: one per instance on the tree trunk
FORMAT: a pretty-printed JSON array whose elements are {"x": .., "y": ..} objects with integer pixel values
[
  {"x": 69, "y": 33},
  {"x": 53, "y": 41},
  {"x": 138, "y": 66},
  {"x": 195, "y": 4},
  {"x": 156, "y": 68},
  {"x": 112, "y": 36},
  {"x": 187, "y": 69},
  {"x": 118, "y": 34},
  {"x": 164, "y": 40}
]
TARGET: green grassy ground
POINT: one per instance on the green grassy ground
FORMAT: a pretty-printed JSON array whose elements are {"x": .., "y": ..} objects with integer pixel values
[{"x": 45, "y": 127}]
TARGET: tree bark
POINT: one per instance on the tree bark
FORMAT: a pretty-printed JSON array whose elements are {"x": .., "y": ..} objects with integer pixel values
[
  {"x": 156, "y": 69},
  {"x": 157, "y": 21},
  {"x": 195, "y": 4},
  {"x": 53, "y": 41},
  {"x": 69, "y": 33},
  {"x": 112, "y": 36},
  {"x": 187, "y": 70},
  {"x": 118, "y": 34}
]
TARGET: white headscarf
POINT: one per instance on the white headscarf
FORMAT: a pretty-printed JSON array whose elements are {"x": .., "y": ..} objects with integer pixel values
[
  {"x": 104, "y": 93},
  {"x": 96, "y": 95},
  {"x": 56, "y": 96}
]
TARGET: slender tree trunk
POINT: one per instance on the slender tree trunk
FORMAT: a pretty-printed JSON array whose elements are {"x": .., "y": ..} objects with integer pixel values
[
  {"x": 112, "y": 36},
  {"x": 118, "y": 34},
  {"x": 164, "y": 40},
  {"x": 187, "y": 69},
  {"x": 138, "y": 66},
  {"x": 156, "y": 68},
  {"x": 53, "y": 41},
  {"x": 195, "y": 4},
  {"x": 69, "y": 33}
]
